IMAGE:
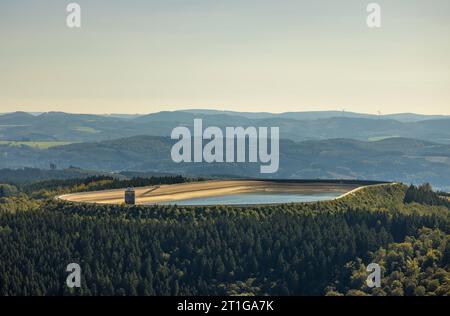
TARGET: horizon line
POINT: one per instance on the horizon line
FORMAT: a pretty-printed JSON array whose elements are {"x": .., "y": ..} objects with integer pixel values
[{"x": 216, "y": 110}]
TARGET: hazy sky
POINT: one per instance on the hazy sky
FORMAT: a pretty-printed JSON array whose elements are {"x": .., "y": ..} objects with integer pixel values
[{"x": 249, "y": 55}]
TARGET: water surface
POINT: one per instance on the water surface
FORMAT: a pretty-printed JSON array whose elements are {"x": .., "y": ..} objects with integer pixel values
[{"x": 256, "y": 198}]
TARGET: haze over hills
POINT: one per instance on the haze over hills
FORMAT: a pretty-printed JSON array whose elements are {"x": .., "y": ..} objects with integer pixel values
[
  {"x": 301, "y": 115},
  {"x": 396, "y": 159},
  {"x": 298, "y": 126},
  {"x": 314, "y": 115},
  {"x": 402, "y": 147}
]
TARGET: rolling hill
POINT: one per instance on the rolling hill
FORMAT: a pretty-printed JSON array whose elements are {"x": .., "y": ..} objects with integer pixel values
[
  {"x": 297, "y": 126},
  {"x": 396, "y": 159}
]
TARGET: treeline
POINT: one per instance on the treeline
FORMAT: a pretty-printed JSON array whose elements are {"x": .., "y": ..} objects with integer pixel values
[
  {"x": 29, "y": 180},
  {"x": 30, "y": 175},
  {"x": 424, "y": 194},
  {"x": 29, "y": 196},
  {"x": 49, "y": 188},
  {"x": 289, "y": 249},
  {"x": 100, "y": 183}
]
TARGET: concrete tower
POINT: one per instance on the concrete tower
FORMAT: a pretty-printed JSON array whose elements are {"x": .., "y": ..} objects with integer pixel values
[{"x": 130, "y": 196}]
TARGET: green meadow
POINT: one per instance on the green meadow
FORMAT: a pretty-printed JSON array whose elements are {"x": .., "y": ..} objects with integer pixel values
[{"x": 35, "y": 144}]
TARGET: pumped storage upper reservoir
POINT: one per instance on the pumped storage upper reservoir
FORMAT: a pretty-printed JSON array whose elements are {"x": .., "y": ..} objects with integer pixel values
[{"x": 226, "y": 192}]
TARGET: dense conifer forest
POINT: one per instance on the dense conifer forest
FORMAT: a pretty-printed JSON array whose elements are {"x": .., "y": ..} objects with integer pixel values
[{"x": 319, "y": 248}]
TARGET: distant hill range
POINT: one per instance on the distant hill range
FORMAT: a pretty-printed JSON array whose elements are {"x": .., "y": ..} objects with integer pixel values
[
  {"x": 332, "y": 144},
  {"x": 396, "y": 159},
  {"x": 315, "y": 115},
  {"x": 296, "y": 126}
]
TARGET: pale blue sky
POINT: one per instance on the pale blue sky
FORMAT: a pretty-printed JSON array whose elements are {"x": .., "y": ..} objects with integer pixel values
[{"x": 250, "y": 55}]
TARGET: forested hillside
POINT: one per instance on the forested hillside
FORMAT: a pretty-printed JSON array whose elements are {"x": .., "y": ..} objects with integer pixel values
[
  {"x": 418, "y": 266},
  {"x": 406, "y": 160},
  {"x": 291, "y": 249}
]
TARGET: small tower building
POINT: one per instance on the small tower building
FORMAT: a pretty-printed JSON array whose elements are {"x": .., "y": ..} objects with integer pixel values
[{"x": 130, "y": 196}]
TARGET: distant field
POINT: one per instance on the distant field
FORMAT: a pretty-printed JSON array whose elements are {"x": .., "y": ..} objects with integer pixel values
[
  {"x": 37, "y": 144},
  {"x": 3, "y": 126},
  {"x": 378, "y": 138},
  {"x": 204, "y": 189},
  {"x": 86, "y": 129}
]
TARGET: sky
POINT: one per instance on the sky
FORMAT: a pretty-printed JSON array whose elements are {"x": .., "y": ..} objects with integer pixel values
[{"x": 132, "y": 56}]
